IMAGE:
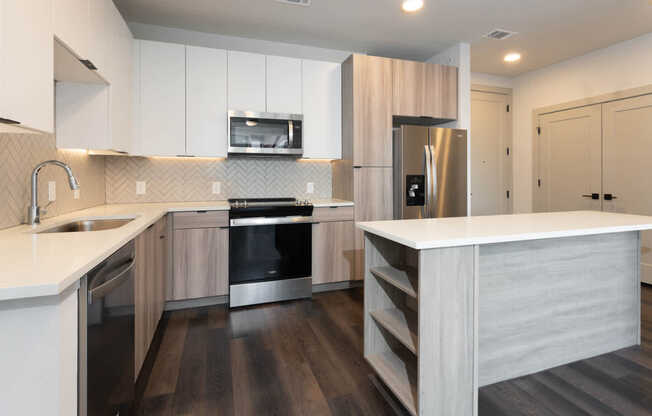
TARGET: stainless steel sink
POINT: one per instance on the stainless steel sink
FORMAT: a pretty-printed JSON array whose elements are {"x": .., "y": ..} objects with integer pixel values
[{"x": 88, "y": 225}]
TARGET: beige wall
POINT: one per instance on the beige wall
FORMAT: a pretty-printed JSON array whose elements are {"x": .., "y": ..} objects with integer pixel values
[
  {"x": 619, "y": 67},
  {"x": 19, "y": 153}
]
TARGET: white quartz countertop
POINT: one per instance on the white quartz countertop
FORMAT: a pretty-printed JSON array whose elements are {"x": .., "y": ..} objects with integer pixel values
[
  {"x": 36, "y": 265},
  {"x": 464, "y": 231}
]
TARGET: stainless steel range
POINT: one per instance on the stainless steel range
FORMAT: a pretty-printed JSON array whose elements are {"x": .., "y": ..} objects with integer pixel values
[{"x": 270, "y": 250}]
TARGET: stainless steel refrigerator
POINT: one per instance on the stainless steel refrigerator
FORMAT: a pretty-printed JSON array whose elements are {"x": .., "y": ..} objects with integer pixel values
[{"x": 430, "y": 172}]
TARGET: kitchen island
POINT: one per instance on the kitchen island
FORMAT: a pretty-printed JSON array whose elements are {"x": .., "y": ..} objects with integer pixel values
[{"x": 455, "y": 304}]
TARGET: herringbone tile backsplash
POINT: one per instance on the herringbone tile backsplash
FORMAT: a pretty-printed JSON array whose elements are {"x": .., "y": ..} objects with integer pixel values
[
  {"x": 191, "y": 179},
  {"x": 19, "y": 153},
  {"x": 112, "y": 179}
]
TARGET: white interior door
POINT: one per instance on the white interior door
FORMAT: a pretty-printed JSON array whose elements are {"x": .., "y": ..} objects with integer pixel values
[
  {"x": 491, "y": 164},
  {"x": 569, "y": 160},
  {"x": 627, "y": 126}
]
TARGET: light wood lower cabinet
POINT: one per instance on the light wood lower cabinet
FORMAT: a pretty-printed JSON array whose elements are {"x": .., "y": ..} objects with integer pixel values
[
  {"x": 332, "y": 252},
  {"x": 149, "y": 287},
  {"x": 201, "y": 263}
]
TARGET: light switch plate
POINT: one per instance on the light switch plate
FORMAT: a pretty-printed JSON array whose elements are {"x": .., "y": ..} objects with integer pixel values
[
  {"x": 52, "y": 191},
  {"x": 217, "y": 188},
  {"x": 141, "y": 187},
  {"x": 310, "y": 187},
  {"x": 76, "y": 194}
]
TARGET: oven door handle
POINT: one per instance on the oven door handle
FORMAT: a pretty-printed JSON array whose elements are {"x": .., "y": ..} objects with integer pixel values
[{"x": 255, "y": 221}]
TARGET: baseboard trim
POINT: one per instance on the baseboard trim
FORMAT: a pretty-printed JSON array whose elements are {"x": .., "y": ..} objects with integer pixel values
[
  {"x": 328, "y": 287},
  {"x": 176, "y": 305}
]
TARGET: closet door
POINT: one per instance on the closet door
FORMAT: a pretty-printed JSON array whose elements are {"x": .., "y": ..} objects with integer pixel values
[
  {"x": 491, "y": 164},
  {"x": 627, "y": 126},
  {"x": 569, "y": 160}
]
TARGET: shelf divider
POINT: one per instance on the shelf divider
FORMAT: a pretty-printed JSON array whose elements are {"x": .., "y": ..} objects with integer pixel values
[
  {"x": 405, "y": 278},
  {"x": 402, "y": 324},
  {"x": 399, "y": 376}
]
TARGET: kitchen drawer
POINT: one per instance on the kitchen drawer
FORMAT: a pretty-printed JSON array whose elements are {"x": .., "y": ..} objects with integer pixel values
[
  {"x": 200, "y": 219},
  {"x": 333, "y": 214}
]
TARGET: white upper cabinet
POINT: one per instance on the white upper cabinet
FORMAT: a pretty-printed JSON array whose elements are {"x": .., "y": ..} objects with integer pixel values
[
  {"x": 246, "y": 81},
  {"x": 119, "y": 70},
  {"x": 322, "y": 110},
  {"x": 97, "y": 116},
  {"x": 206, "y": 102},
  {"x": 26, "y": 68},
  {"x": 283, "y": 85},
  {"x": 162, "y": 113},
  {"x": 82, "y": 120},
  {"x": 101, "y": 33},
  {"x": 72, "y": 25}
]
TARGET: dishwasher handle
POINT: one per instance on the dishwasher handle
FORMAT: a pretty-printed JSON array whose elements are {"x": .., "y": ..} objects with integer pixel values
[{"x": 120, "y": 274}]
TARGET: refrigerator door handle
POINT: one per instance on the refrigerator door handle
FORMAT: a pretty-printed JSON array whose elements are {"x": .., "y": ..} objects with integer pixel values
[
  {"x": 426, "y": 167},
  {"x": 433, "y": 169}
]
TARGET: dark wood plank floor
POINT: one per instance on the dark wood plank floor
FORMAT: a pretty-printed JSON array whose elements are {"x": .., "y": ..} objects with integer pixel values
[{"x": 305, "y": 358}]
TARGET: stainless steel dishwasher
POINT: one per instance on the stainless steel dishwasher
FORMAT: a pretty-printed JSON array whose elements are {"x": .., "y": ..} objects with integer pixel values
[{"x": 106, "y": 336}]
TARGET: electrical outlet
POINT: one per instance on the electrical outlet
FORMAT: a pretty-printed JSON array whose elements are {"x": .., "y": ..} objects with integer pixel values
[
  {"x": 141, "y": 187},
  {"x": 76, "y": 194},
  {"x": 217, "y": 188},
  {"x": 310, "y": 187},
  {"x": 52, "y": 191}
]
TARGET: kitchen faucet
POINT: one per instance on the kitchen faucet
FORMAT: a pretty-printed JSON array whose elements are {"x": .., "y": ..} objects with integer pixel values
[{"x": 34, "y": 211}]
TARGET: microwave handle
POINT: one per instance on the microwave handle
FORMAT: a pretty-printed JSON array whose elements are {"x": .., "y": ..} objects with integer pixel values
[{"x": 290, "y": 134}]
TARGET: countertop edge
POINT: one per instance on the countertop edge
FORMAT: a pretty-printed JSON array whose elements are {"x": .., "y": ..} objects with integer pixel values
[
  {"x": 460, "y": 242},
  {"x": 55, "y": 289}
]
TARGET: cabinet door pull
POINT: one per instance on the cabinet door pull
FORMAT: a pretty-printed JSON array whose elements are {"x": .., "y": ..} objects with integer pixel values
[
  {"x": 8, "y": 121},
  {"x": 201, "y": 212},
  {"x": 88, "y": 64}
]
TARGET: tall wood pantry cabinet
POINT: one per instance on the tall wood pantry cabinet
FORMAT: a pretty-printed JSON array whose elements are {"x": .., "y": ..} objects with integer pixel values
[{"x": 375, "y": 90}]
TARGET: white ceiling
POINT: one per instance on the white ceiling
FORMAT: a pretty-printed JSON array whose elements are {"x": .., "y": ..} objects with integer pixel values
[{"x": 549, "y": 30}]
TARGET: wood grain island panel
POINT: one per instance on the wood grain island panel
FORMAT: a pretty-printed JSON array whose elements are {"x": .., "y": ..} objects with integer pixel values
[{"x": 472, "y": 315}]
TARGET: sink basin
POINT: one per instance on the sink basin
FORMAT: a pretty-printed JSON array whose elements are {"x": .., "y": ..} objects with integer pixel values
[{"x": 88, "y": 225}]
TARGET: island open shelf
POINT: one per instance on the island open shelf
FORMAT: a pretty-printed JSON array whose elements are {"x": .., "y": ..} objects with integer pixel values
[{"x": 453, "y": 305}]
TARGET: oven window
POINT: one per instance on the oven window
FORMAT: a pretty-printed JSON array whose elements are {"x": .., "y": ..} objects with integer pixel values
[
  {"x": 260, "y": 133},
  {"x": 270, "y": 252}
]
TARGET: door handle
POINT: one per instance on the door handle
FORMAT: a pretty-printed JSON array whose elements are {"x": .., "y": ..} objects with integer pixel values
[
  {"x": 427, "y": 165},
  {"x": 120, "y": 274},
  {"x": 609, "y": 197},
  {"x": 433, "y": 169},
  {"x": 592, "y": 196}
]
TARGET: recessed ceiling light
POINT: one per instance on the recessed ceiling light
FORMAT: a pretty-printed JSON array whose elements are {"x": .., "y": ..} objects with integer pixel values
[
  {"x": 512, "y": 57},
  {"x": 411, "y": 6}
]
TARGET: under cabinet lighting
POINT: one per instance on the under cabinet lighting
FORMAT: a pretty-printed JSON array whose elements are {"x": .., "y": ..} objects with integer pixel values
[
  {"x": 412, "y": 6},
  {"x": 513, "y": 57}
]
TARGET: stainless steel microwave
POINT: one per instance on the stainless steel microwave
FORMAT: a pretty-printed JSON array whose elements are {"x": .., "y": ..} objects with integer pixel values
[{"x": 253, "y": 133}]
